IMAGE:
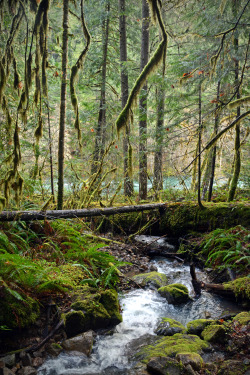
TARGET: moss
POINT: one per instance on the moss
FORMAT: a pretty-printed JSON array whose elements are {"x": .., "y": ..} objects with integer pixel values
[
  {"x": 240, "y": 287},
  {"x": 232, "y": 367},
  {"x": 242, "y": 318},
  {"x": 75, "y": 322},
  {"x": 195, "y": 327},
  {"x": 155, "y": 279},
  {"x": 174, "y": 293},
  {"x": 172, "y": 345},
  {"x": 214, "y": 333},
  {"x": 17, "y": 310},
  {"x": 193, "y": 359},
  {"x": 109, "y": 299}
]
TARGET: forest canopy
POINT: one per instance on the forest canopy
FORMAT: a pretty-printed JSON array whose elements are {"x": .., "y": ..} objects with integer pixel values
[{"x": 170, "y": 76}]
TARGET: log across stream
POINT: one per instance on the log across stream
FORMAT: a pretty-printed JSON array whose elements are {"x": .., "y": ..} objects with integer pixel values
[{"x": 142, "y": 309}]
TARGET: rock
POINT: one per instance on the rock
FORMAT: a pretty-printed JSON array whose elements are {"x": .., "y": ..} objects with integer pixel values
[
  {"x": 25, "y": 358},
  {"x": 152, "y": 280},
  {"x": 232, "y": 367},
  {"x": 37, "y": 362},
  {"x": 93, "y": 311},
  {"x": 54, "y": 349},
  {"x": 195, "y": 327},
  {"x": 192, "y": 359},
  {"x": 138, "y": 369},
  {"x": 6, "y": 371},
  {"x": 81, "y": 343},
  {"x": 169, "y": 327},
  {"x": 28, "y": 370},
  {"x": 9, "y": 360},
  {"x": 242, "y": 318},
  {"x": 214, "y": 333},
  {"x": 169, "y": 346},
  {"x": 175, "y": 293},
  {"x": 164, "y": 366}
]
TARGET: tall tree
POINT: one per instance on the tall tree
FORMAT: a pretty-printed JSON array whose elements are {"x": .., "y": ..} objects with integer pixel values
[
  {"x": 143, "y": 177},
  {"x": 127, "y": 149},
  {"x": 62, "y": 119}
]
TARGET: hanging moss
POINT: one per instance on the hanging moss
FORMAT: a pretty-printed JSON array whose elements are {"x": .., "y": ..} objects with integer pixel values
[
  {"x": 39, "y": 129},
  {"x": 157, "y": 58},
  {"x": 2, "y": 80},
  {"x": 236, "y": 103},
  {"x": 2, "y": 203}
]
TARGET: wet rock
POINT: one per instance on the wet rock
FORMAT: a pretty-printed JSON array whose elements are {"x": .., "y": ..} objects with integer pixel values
[
  {"x": 138, "y": 369},
  {"x": 164, "y": 366},
  {"x": 81, "y": 343},
  {"x": 192, "y": 359},
  {"x": 28, "y": 370},
  {"x": 195, "y": 327},
  {"x": 9, "y": 360},
  {"x": 25, "y": 358},
  {"x": 38, "y": 361},
  {"x": 175, "y": 294},
  {"x": 214, "y": 333},
  {"x": 152, "y": 280},
  {"x": 54, "y": 349},
  {"x": 169, "y": 327}
]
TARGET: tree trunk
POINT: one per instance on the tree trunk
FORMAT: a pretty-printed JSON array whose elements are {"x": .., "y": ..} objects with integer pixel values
[
  {"x": 127, "y": 166},
  {"x": 101, "y": 125},
  {"x": 199, "y": 151},
  {"x": 213, "y": 161},
  {"x": 66, "y": 214},
  {"x": 63, "y": 105},
  {"x": 158, "y": 180},
  {"x": 143, "y": 177},
  {"x": 50, "y": 155}
]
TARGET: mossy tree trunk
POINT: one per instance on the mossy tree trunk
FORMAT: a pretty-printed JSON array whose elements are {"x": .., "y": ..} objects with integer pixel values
[
  {"x": 101, "y": 124},
  {"x": 63, "y": 105},
  {"x": 237, "y": 158},
  {"x": 214, "y": 149},
  {"x": 199, "y": 151},
  {"x": 143, "y": 177},
  {"x": 127, "y": 155}
]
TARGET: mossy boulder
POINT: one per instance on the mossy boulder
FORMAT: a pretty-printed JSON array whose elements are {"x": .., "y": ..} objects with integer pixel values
[
  {"x": 214, "y": 333},
  {"x": 195, "y": 327},
  {"x": 192, "y": 359},
  {"x": 99, "y": 310},
  {"x": 169, "y": 346},
  {"x": 17, "y": 310},
  {"x": 233, "y": 367},
  {"x": 154, "y": 279},
  {"x": 240, "y": 287},
  {"x": 169, "y": 327},
  {"x": 175, "y": 293},
  {"x": 242, "y": 318},
  {"x": 165, "y": 366}
]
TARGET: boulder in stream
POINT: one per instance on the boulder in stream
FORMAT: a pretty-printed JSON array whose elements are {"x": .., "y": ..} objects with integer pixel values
[
  {"x": 195, "y": 327},
  {"x": 214, "y": 333},
  {"x": 152, "y": 280},
  {"x": 81, "y": 343},
  {"x": 175, "y": 293},
  {"x": 169, "y": 327}
]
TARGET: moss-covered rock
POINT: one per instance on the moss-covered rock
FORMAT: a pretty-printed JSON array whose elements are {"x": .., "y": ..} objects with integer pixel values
[
  {"x": 193, "y": 359},
  {"x": 165, "y": 366},
  {"x": 240, "y": 287},
  {"x": 151, "y": 279},
  {"x": 232, "y": 367},
  {"x": 175, "y": 293},
  {"x": 17, "y": 310},
  {"x": 242, "y": 318},
  {"x": 214, "y": 333},
  {"x": 195, "y": 327},
  {"x": 169, "y": 346},
  {"x": 99, "y": 310},
  {"x": 169, "y": 327}
]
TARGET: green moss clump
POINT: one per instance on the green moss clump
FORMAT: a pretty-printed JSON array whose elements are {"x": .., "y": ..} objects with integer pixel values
[
  {"x": 17, "y": 310},
  {"x": 155, "y": 279},
  {"x": 195, "y": 327},
  {"x": 75, "y": 322},
  {"x": 171, "y": 345},
  {"x": 214, "y": 333},
  {"x": 175, "y": 293},
  {"x": 109, "y": 299},
  {"x": 242, "y": 318}
]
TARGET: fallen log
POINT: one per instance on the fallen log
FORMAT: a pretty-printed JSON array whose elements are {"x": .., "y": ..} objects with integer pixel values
[
  {"x": 69, "y": 214},
  {"x": 219, "y": 289}
]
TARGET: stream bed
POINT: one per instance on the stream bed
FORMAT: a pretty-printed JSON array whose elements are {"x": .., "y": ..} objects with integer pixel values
[{"x": 142, "y": 310}]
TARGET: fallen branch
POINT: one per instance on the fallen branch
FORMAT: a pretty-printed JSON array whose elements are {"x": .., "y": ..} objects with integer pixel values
[{"x": 66, "y": 214}]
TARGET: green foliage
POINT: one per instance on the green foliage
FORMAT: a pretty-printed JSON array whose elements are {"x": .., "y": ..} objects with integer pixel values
[{"x": 228, "y": 248}]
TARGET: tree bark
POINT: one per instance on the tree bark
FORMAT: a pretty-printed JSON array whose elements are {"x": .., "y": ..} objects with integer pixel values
[
  {"x": 127, "y": 166},
  {"x": 199, "y": 151},
  {"x": 63, "y": 105},
  {"x": 101, "y": 125},
  {"x": 66, "y": 214},
  {"x": 143, "y": 177}
]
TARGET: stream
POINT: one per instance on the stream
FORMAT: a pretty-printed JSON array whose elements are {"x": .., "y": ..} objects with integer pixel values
[{"x": 142, "y": 310}]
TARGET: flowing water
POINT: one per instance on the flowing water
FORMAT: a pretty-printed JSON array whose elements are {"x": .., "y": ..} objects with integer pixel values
[{"x": 142, "y": 309}]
